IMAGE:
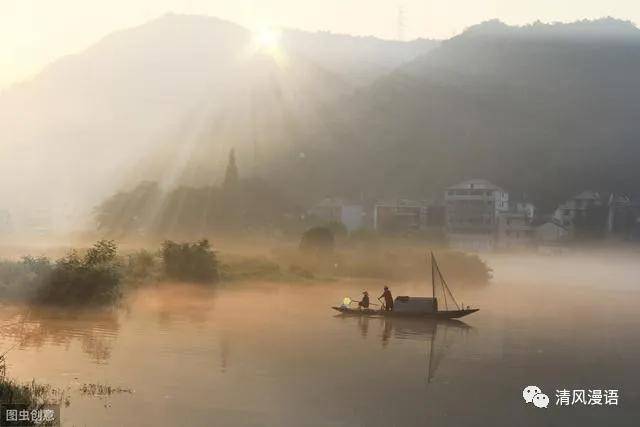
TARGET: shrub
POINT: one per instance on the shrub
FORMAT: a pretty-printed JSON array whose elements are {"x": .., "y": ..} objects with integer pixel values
[
  {"x": 141, "y": 266},
  {"x": 20, "y": 280},
  {"x": 317, "y": 240},
  {"x": 34, "y": 396},
  {"x": 74, "y": 280},
  {"x": 193, "y": 262}
]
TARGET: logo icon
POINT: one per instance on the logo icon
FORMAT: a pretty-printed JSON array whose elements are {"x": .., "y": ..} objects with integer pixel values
[
  {"x": 533, "y": 394},
  {"x": 541, "y": 400}
]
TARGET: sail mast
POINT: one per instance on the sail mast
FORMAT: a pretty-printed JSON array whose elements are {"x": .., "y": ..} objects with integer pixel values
[
  {"x": 445, "y": 286},
  {"x": 433, "y": 276}
]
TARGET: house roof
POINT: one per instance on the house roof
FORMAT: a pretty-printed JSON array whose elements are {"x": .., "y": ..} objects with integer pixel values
[
  {"x": 588, "y": 195},
  {"x": 481, "y": 184},
  {"x": 552, "y": 222}
]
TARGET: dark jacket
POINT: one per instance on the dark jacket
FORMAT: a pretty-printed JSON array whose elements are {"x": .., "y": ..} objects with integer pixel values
[{"x": 365, "y": 301}]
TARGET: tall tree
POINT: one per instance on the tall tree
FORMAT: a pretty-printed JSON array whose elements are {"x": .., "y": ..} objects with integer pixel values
[{"x": 231, "y": 177}]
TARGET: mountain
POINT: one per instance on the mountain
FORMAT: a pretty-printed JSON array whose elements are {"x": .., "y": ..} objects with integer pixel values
[
  {"x": 166, "y": 101},
  {"x": 546, "y": 109},
  {"x": 359, "y": 60}
]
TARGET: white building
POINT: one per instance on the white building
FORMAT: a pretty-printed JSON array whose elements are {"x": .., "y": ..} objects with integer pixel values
[
  {"x": 471, "y": 210},
  {"x": 338, "y": 210}
]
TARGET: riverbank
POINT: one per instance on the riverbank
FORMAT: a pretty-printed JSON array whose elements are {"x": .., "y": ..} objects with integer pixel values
[{"x": 100, "y": 274}]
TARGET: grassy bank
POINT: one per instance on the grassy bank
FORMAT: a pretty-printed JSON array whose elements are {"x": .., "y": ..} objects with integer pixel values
[
  {"x": 35, "y": 396},
  {"x": 99, "y": 275}
]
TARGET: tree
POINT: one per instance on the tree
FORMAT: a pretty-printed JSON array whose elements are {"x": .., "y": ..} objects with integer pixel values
[
  {"x": 128, "y": 211},
  {"x": 231, "y": 177},
  {"x": 317, "y": 240},
  {"x": 192, "y": 262}
]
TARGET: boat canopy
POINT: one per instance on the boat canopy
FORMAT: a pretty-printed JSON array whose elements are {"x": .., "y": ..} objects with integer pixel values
[{"x": 405, "y": 304}]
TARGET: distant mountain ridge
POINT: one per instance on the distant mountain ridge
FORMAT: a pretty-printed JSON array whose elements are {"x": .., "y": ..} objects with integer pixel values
[
  {"x": 541, "y": 109},
  {"x": 546, "y": 109},
  {"x": 176, "y": 89}
]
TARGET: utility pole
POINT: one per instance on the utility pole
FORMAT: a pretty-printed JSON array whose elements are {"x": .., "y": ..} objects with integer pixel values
[
  {"x": 254, "y": 132},
  {"x": 400, "y": 23}
]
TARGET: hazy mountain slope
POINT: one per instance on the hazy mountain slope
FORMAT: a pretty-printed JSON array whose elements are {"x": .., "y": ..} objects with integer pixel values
[
  {"x": 546, "y": 109},
  {"x": 165, "y": 100},
  {"x": 71, "y": 132},
  {"x": 359, "y": 60}
]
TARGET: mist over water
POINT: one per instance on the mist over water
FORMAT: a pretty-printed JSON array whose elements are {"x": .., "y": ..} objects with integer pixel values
[{"x": 276, "y": 354}]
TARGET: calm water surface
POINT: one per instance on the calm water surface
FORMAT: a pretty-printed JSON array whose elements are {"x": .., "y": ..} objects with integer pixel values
[{"x": 276, "y": 355}]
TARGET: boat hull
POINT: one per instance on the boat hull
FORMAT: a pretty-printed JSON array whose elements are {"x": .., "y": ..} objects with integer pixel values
[{"x": 447, "y": 314}]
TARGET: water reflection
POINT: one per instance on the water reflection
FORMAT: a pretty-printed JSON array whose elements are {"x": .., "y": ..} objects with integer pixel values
[
  {"x": 35, "y": 327},
  {"x": 174, "y": 303},
  {"x": 438, "y": 335}
]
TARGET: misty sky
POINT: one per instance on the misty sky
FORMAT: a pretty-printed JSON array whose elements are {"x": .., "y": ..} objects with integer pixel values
[{"x": 36, "y": 32}]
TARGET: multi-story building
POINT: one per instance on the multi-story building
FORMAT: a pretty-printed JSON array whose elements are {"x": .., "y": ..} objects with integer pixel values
[
  {"x": 340, "y": 211},
  {"x": 472, "y": 208},
  {"x": 407, "y": 215}
]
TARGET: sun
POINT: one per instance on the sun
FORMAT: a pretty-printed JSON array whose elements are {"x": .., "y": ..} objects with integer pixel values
[{"x": 267, "y": 39}]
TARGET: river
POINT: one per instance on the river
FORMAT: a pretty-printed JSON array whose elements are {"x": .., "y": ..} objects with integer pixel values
[{"x": 265, "y": 354}]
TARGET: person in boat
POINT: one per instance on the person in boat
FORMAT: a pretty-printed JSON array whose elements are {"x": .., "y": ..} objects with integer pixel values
[
  {"x": 388, "y": 299},
  {"x": 365, "y": 300}
]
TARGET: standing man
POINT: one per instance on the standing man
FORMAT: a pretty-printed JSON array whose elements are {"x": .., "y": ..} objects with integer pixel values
[{"x": 388, "y": 299}]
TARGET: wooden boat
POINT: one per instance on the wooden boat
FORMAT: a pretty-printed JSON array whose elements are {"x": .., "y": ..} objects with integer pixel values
[
  {"x": 416, "y": 307},
  {"x": 441, "y": 314}
]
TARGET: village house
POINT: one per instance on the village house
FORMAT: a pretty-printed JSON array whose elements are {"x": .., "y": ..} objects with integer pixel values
[
  {"x": 514, "y": 230},
  {"x": 337, "y": 210},
  {"x": 405, "y": 215},
  {"x": 471, "y": 209},
  {"x": 623, "y": 215},
  {"x": 577, "y": 208}
]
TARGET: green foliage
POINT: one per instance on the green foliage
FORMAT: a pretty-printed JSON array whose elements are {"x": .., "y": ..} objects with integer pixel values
[
  {"x": 338, "y": 229},
  {"x": 239, "y": 205},
  {"x": 74, "y": 280},
  {"x": 317, "y": 240},
  {"x": 128, "y": 212},
  {"x": 104, "y": 251},
  {"x": 20, "y": 280},
  {"x": 193, "y": 262},
  {"x": 141, "y": 266},
  {"x": 34, "y": 395}
]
